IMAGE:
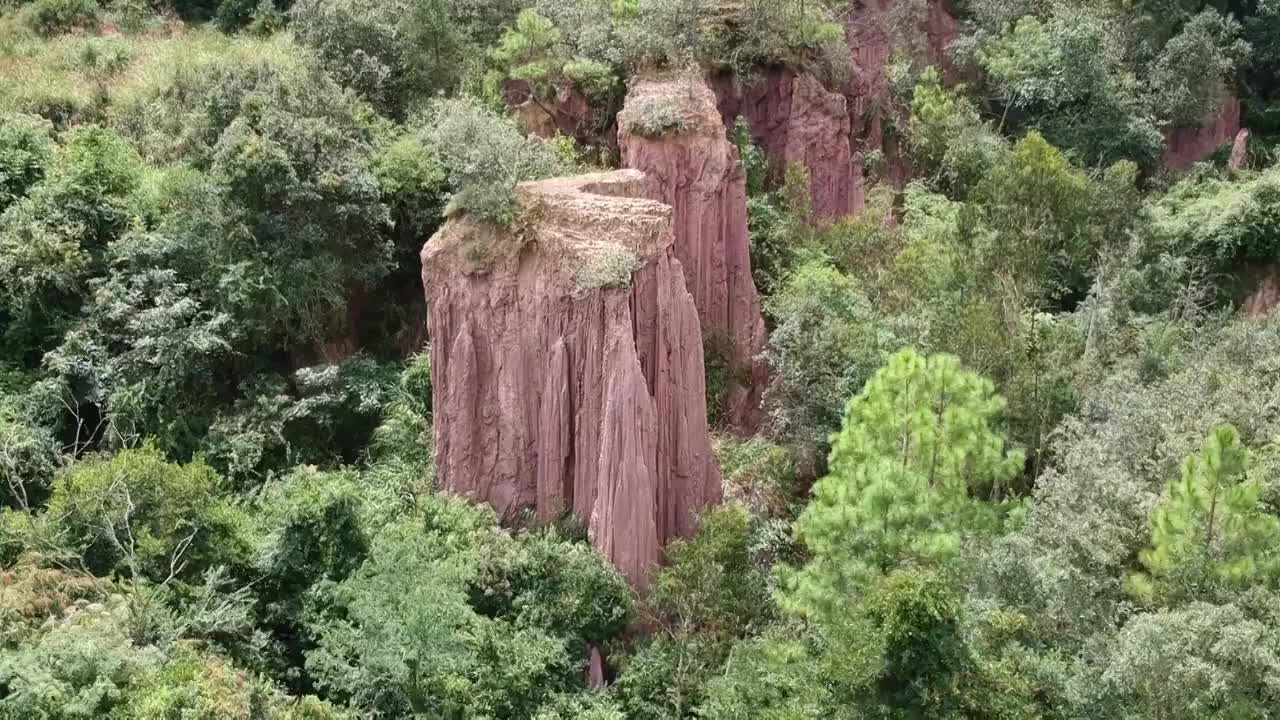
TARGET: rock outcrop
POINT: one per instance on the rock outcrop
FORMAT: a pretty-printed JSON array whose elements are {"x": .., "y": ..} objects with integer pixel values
[
  {"x": 567, "y": 366},
  {"x": 875, "y": 30},
  {"x": 569, "y": 113},
  {"x": 693, "y": 167},
  {"x": 797, "y": 121},
  {"x": 1240, "y": 152},
  {"x": 1263, "y": 283},
  {"x": 1187, "y": 146}
]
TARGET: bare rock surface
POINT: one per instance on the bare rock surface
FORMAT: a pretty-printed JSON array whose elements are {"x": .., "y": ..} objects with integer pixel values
[
  {"x": 1240, "y": 152},
  {"x": 1187, "y": 146},
  {"x": 1264, "y": 295},
  {"x": 797, "y": 121},
  {"x": 567, "y": 366},
  {"x": 876, "y": 30},
  {"x": 693, "y": 167}
]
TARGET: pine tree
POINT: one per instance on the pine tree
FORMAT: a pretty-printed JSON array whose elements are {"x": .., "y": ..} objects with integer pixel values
[
  {"x": 935, "y": 418},
  {"x": 1209, "y": 533},
  {"x": 914, "y": 444}
]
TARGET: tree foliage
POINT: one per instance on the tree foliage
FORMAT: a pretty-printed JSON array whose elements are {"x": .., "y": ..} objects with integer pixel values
[
  {"x": 217, "y": 493},
  {"x": 1209, "y": 529}
]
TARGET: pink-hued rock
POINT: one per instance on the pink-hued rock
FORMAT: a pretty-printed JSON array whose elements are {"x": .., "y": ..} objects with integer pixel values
[
  {"x": 1264, "y": 295},
  {"x": 1240, "y": 152},
  {"x": 556, "y": 391},
  {"x": 797, "y": 121},
  {"x": 568, "y": 113},
  {"x": 595, "y": 670},
  {"x": 1185, "y": 147},
  {"x": 875, "y": 31},
  {"x": 696, "y": 170}
]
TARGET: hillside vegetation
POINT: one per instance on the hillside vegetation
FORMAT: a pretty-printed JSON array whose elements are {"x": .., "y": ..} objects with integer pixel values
[{"x": 1022, "y": 450}]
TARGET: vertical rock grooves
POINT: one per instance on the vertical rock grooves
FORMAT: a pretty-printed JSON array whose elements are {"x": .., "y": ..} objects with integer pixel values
[
  {"x": 875, "y": 30},
  {"x": 797, "y": 121},
  {"x": 563, "y": 386},
  {"x": 692, "y": 166}
]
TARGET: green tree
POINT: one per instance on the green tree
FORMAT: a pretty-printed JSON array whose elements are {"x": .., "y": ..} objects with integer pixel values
[
  {"x": 948, "y": 139},
  {"x": 534, "y": 51},
  {"x": 1066, "y": 75},
  {"x": 487, "y": 156},
  {"x": 711, "y": 593},
  {"x": 26, "y": 150},
  {"x": 393, "y": 53},
  {"x": 450, "y": 617},
  {"x": 1209, "y": 530},
  {"x": 827, "y": 341},
  {"x": 1189, "y": 77},
  {"x": 1034, "y": 230},
  {"x": 916, "y": 443},
  {"x": 135, "y": 513},
  {"x": 54, "y": 240},
  {"x": 936, "y": 419},
  {"x": 1215, "y": 661}
]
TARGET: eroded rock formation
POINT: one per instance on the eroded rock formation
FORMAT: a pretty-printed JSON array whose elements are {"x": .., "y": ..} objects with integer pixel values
[
  {"x": 797, "y": 121},
  {"x": 1263, "y": 281},
  {"x": 693, "y": 167},
  {"x": 567, "y": 366},
  {"x": 1240, "y": 152},
  {"x": 1185, "y": 147},
  {"x": 569, "y": 113},
  {"x": 875, "y": 30}
]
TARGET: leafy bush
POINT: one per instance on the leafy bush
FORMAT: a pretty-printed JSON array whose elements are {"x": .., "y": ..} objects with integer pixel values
[
  {"x": 827, "y": 342},
  {"x": 759, "y": 474},
  {"x": 52, "y": 17},
  {"x": 487, "y": 156},
  {"x": 392, "y": 53},
  {"x": 81, "y": 667},
  {"x": 654, "y": 115},
  {"x": 26, "y": 150},
  {"x": 613, "y": 266},
  {"x": 200, "y": 688},
  {"x": 135, "y": 513},
  {"x": 1208, "y": 226},
  {"x": 1189, "y": 77},
  {"x": 459, "y": 617}
]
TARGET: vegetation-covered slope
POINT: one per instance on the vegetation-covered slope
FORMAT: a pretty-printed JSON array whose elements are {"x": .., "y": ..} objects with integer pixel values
[{"x": 1020, "y": 453}]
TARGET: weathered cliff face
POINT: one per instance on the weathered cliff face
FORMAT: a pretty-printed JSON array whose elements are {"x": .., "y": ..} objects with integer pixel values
[
  {"x": 1263, "y": 281},
  {"x": 797, "y": 121},
  {"x": 1185, "y": 147},
  {"x": 695, "y": 169},
  {"x": 563, "y": 380},
  {"x": 833, "y": 134},
  {"x": 569, "y": 113},
  {"x": 875, "y": 30}
]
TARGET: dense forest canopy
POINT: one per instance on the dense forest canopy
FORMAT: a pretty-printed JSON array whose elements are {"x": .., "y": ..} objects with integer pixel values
[{"x": 1021, "y": 448}]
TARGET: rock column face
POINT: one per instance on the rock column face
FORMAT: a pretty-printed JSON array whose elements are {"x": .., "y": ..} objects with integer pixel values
[
  {"x": 875, "y": 30},
  {"x": 1263, "y": 281},
  {"x": 693, "y": 167},
  {"x": 1187, "y": 146},
  {"x": 797, "y": 121},
  {"x": 567, "y": 367}
]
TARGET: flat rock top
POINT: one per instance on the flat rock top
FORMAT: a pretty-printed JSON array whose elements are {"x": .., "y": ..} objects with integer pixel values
[
  {"x": 688, "y": 100},
  {"x": 574, "y": 220}
]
